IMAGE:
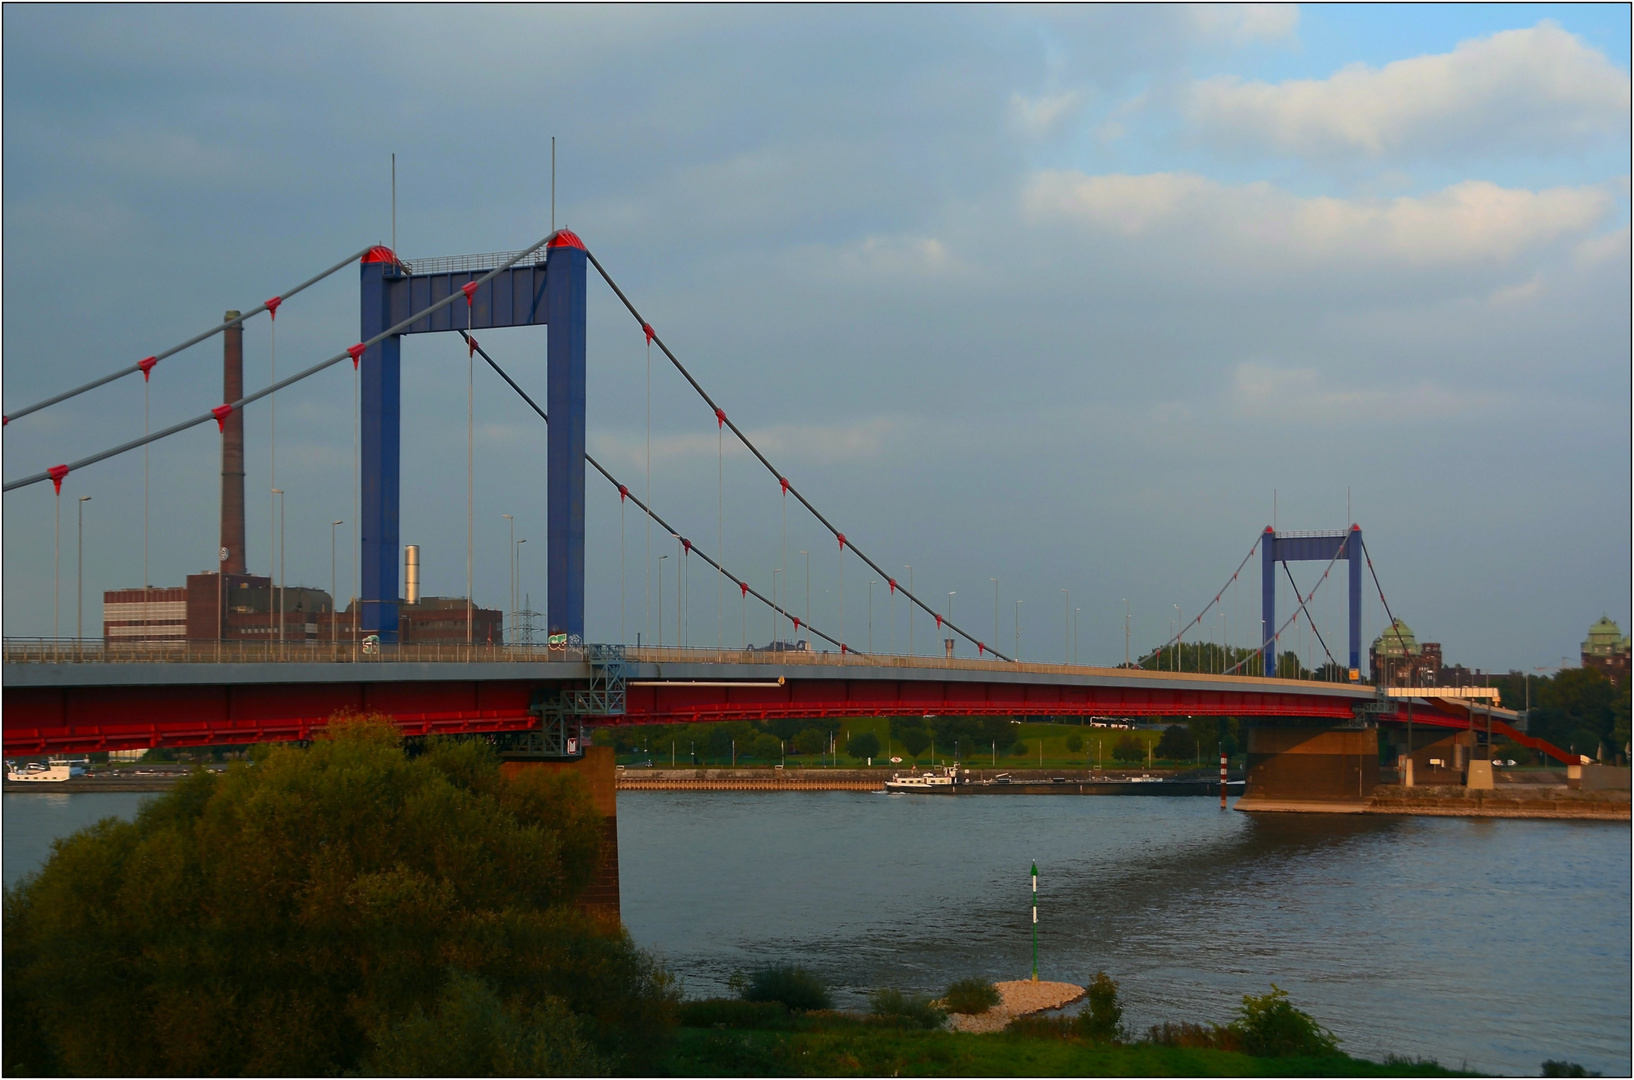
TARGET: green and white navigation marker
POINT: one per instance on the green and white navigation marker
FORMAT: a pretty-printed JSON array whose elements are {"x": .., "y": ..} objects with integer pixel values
[{"x": 1035, "y": 922}]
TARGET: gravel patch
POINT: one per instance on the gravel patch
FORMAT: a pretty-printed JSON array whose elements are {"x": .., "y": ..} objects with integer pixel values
[{"x": 1017, "y": 998}]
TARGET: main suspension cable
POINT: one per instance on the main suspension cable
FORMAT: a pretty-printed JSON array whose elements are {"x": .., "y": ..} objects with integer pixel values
[
  {"x": 147, "y": 364},
  {"x": 782, "y": 480},
  {"x": 625, "y": 493},
  {"x": 220, "y": 412}
]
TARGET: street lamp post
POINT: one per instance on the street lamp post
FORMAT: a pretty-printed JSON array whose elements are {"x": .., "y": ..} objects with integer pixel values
[
  {"x": 950, "y": 595},
  {"x": 516, "y": 558},
  {"x": 510, "y": 520},
  {"x": 332, "y": 525},
  {"x": 1126, "y": 632},
  {"x": 1075, "y": 613},
  {"x": 995, "y": 582},
  {"x": 775, "y": 573},
  {"x": 79, "y": 592},
  {"x": 279, "y": 615},
  {"x": 661, "y": 559},
  {"x": 909, "y": 569},
  {"x": 1066, "y": 627},
  {"x": 807, "y": 554},
  {"x": 1179, "y": 642},
  {"x": 1018, "y": 631},
  {"x": 871, "y": 583}
]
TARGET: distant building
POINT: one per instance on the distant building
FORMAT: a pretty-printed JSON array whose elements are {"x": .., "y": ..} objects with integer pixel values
[
  {"x": 442, "y": 618},
  {"x": 1607, "y": 650},
  {"x": 1397, "y": 659},
  {"x": 216, "y": 607}
]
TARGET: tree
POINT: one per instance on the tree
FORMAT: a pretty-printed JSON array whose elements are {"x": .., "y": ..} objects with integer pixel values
[
  {"x": 1128, "y": 748},
  {"x": 1075, "y": 743},
  {"x": 915, "y": 740},
  {"x": 1177, "y": 744},
  {"x": 810, "y": 741},
  {"x": 1101, "y": 1018},
  {"x": 768, "y": 748},
  {"x": 865, "y": 745},
  {"x": 325, "y": 908}
]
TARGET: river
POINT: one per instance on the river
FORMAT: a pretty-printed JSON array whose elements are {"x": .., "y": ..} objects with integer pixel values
[{"x": 1491, "y": 944}]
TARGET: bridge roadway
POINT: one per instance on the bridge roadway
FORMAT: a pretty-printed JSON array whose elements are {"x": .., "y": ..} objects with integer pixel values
[{"x": 198, "y": 693}]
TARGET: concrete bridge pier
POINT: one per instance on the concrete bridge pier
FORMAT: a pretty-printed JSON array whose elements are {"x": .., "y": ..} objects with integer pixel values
[
  {"x": 595, "y": 769},
  {"x": 1313, "y": 769}
]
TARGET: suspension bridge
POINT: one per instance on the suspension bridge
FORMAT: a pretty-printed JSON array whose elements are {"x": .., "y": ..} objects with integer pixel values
[{"x": 211, "y": 686}]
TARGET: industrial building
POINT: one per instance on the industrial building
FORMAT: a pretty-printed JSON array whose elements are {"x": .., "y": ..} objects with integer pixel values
[{"x": 235, "y": 605}]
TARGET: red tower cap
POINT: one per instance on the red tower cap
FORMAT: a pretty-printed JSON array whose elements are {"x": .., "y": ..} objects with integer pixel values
[
  {"x": 380, "y": 253},
  {"x": 566, "y": 238}
]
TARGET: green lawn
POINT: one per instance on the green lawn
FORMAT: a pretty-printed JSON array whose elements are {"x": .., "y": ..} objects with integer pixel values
[{"x": 868, "y": 1051}]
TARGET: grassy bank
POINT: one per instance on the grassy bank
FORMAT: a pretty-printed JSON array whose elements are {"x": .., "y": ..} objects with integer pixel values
[{"x": 854, "y": 1048}]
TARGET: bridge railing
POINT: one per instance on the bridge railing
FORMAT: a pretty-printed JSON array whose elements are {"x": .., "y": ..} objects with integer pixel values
[{"x": 41, "y": 650}]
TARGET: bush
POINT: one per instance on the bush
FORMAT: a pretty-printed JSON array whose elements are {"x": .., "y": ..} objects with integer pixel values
[
  {"x": 1194, "y": 1036},
  {"x": 1271, "y": 1027},
  {"x": 971, "y": 996},
  {"x": 1177, "y": 744},
  {"x": 734, "y": 1013},
  {"x": 1075, "y": 743},
  {"x": 1018, "y": 748},
  {"x": 1128, "y": 748},
  {"x": 865, "y": 745},
  {"x": 768, "y": 748},
  {"x": 323, "y": 908},
  {"x": 1565, "y": 1068},
  {"x": 1101, "y": 1019},
  {"x": 893, "y": 1006},
  {"x": 811, "y": 741},
  {"x": 795, "y": 987}
]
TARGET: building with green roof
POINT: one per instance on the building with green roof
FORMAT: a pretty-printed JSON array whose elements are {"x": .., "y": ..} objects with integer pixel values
[{"x": 1607, "y": 650}]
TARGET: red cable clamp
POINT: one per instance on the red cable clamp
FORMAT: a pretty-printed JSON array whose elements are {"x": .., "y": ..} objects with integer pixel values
[
  {"x": 938, "y": 622},
  {"x": 4, "y": 420},
  {"x": 646, "y": 328},
  {"x": 892, "y": 582},
  {"x": 221, "y": 413},
  {"x": 57, "y": 472},
  {"x": 744, "y": 585},
  {"x": 272, "y": 306},
  {"x": 796, "y": 619},
  {"x": 981, "y": 650},
  {"x": 147, "y": 366},
  {"x": 785, "y": 482},
  {"x": 687, "y": 544},
  {"x": 356, "y": 353},
  {"x": 842, "y": 540},
  {"x": 623, "y": 493},
  {"x": 472, "y": 351},
  {"x": 842, "y": 648},
  {"x": 470, "y": 290},
  {"x": 720, "y": 418}
]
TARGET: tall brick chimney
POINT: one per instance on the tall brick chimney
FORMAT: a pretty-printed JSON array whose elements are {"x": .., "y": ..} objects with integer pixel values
[{"x": 232, "y": 449}]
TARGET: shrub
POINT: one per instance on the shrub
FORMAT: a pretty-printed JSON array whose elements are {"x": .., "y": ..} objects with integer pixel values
[
  {"x": 795, "y": 987},
  {"x": 1075, "y": 743},
  {"x": 1018, "y": 748},
  {"x": 971, "y": 996},
  {"x": 865, "y": 745},
  {"x": 1101, "y": 1019},
  {"x": 1270, "y": 1026},
  {"x": 1194, "y": 1036},
  {"x": 1565, "y": 1068},
  {"x": 1128, "y": 748},
  {"x": 768, "y": 748},
  {"x": 323, "y": 908},
  {"x": 1043, "y": 1027},
  {"x": 811, "y": 741},
  {"x": 1177, "y": 744},
  {"x": 905, "y": 1010},
  {"x": 734, "y": 1013}
]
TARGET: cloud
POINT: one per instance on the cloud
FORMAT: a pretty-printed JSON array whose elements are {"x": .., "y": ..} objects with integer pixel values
[
  {"x": 1244, "y": 23},
  {"x": 1473, "y": 222},
  {"x": 1529, "y": 90},
  {"x": 1303, "y": 395},
  {"x": 817, "y": 444},
  {"x": 1040, "y": 116}
]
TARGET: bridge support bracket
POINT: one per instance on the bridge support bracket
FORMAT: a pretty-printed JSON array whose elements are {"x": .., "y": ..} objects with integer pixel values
[{"x": 562, "y": 711}]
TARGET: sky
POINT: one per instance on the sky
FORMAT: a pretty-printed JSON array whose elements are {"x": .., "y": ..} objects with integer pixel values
[{"x": 1077, "y": 299}]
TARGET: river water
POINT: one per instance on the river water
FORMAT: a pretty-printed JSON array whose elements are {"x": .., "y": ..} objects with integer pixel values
[{"x": 1494, "y": 944}]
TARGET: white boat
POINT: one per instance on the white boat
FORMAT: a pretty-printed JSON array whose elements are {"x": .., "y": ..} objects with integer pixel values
[
  {"x": 57, "y": 771},
  {"x": 930, "y": 780}
]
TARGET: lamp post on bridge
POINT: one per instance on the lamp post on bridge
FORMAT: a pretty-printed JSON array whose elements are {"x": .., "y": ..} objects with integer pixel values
[
  {"x": 909, "y": 569},
  {"x": 332, "y": 525},
  {"x": 661, "y": 559},
  {"x": 995, "y": 582},
  {"x": 951, "y": 594},
  {"x": 871, "y": 583},
  {"x": 776, "y": 572},
  {"x": 1066, "y": 627},
  {"x": 511, "y": 521},
  {"x": 79, "y": 592},
  {"x": 1018, "y": 631},
  {"x": 280, "y": 615},
  {"x": 807, "y": 554}
]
